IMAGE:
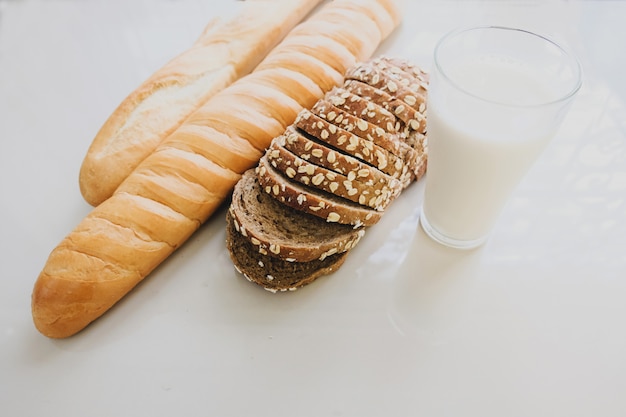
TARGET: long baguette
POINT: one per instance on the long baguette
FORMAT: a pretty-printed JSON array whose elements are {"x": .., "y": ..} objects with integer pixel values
[
  {"x": 178, "y": 187},
  {"x": 224, "y": 52}
]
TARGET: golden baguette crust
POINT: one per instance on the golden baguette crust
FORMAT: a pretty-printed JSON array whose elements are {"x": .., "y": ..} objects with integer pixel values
[
  {"x": 112, "y": 249},
  {"x": 223, "y": 53},
  {"x": 289, "y": 81}
]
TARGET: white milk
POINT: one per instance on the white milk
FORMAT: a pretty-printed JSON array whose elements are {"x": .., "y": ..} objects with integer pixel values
[{"x": 478, "y": 151}]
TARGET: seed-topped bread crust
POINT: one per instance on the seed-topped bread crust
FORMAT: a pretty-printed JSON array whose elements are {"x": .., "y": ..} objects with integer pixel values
[
  {"x": 363, "y": 149},
  {"x": 405, "y": 148},
  {"x": 312, "y": 200},
  {"x": 405, "y": 113},
  {"x": 401, "y": 80},
  {"x": 363, "y": 109},
  {"x": 393, "y": 80},
  {"x": 342, "y": 163},
  {"x": 376, "y": 196}
]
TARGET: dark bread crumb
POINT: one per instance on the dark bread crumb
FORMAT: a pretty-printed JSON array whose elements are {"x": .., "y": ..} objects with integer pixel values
[
  {"x": 275, "y": 274},
  {"x": 278, "y": 230}
]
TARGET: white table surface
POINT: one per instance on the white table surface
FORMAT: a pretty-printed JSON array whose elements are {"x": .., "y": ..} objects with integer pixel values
[{"x": 531, "y": 324}]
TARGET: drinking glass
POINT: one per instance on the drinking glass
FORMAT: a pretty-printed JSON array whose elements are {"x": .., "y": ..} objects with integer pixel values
[{"x": 497, "y": 95}]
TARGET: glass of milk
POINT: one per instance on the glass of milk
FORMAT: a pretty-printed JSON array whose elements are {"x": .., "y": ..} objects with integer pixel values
[{"x": 497, "y": 95}]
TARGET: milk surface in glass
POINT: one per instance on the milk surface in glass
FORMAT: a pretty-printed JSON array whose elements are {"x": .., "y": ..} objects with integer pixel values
[{"x": 480, "y": 149}]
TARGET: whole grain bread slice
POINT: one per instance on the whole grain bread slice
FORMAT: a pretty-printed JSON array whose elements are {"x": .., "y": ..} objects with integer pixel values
[
  {"x": 361, "y": 148},
  {"x": 401, "y": 80},
  {"x": 406, "y": 147},
  {"x": 357, "y": 126},
  {"x": 376, "y": 196},
  {"x": 394, "y": 81},
  {"x": 318, "y": 153},
  {"x": 363, "y": 109},
  {"x": 407, "y": 114},
  {"x": 415, "y": 74},
  {"x": 274, "y": 274},
  {"x": 277, "y": 230},
  {"x": 313, "y": 201}
]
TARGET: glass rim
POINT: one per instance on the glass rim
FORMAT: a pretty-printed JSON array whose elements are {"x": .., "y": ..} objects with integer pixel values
[{"x": 564, "y": 51}]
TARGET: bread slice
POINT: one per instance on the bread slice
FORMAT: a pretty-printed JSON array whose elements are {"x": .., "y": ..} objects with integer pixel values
[
  {"x": 309, "y": 149},
  {"x": 405, "y": 113},
  {"x": 277, "y": 230},
  {"x": 397, "y": 77},
  {"x": 363, "y": 149},
  {"x": 402, "y": 147},
  {"x": 296, "y": 168},
  {"x": 312, "y": 200},
  {"x": 391, "y": 79},
  {"x": 363, "y": 109},
  {"x": 415, "y": 73},
  {"x": 359, "y": 127},
  {"x": 274, "y": 274}
]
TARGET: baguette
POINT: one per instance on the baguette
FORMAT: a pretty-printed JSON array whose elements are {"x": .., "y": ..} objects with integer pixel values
[
  {"x": 176, "y": 188},
  {"x": 223, "y": 53}
]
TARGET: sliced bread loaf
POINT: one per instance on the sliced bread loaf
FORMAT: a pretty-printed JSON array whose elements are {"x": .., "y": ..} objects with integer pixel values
[{"x": 328, "y": 176}]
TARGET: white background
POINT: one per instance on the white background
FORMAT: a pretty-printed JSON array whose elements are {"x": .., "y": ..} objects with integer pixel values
[{"x": 531, "y": 324}]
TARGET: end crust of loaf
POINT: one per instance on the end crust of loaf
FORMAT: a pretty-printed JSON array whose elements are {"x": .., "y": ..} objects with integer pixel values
[{"x": 275, "y": 274}]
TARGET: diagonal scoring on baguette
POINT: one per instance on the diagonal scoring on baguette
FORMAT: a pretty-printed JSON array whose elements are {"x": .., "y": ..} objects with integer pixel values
[
  {"x": 223, "y": 53},
  {"x": 109, "y": 253},
  {"x": 344, "y": 161}
]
